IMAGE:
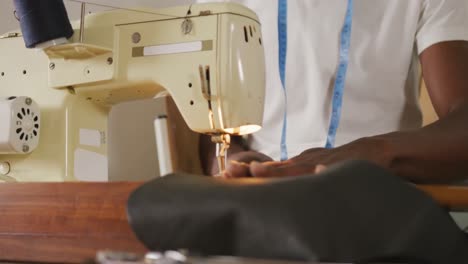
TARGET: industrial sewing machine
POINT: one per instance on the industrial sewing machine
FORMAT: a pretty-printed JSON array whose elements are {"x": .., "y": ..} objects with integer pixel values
[{"x": 55, "y": 99}]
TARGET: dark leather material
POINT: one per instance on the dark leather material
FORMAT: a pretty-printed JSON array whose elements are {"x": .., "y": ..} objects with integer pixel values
[{"x": 352, "y": 212}]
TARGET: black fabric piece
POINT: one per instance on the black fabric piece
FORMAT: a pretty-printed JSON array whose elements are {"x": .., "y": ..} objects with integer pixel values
[
  {"x": 42, "y": 21},
  {"x": 350, "y": 213}
]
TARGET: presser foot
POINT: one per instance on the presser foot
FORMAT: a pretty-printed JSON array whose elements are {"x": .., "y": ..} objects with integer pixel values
[{"x": 222, "y": 141}]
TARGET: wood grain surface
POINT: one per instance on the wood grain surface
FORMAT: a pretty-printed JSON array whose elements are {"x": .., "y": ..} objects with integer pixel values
[
  {"x": 69, "y": 222},
  {"x": 64, "y": 222}
]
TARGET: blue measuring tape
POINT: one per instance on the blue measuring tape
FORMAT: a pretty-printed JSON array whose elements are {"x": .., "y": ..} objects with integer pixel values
[
  {"x": 338, "y": 90},
  {"x": 283, "y": 50},
  {"x": 340, "y": 80}
]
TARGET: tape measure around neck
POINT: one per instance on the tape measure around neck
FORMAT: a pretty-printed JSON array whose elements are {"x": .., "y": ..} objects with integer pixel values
[
  {"x": 340, "y": 80},
  {"x": 338, "y": 89},
  {"x": 283, "y": 49}
]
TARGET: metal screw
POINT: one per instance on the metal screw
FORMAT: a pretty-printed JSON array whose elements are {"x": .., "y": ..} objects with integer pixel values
[
  {"x": 136, "y": 37},
  {"x": 28, "y": 101},
  {"x": 187, "y": 26},
  {"x": 52, "y": 66},
  {"x": 5, "y": 168},
  {"x": 25, "y": 148},
  {"x": 110, "y": 60}
]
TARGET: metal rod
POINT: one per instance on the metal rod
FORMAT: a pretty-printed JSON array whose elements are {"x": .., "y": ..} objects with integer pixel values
[
  {"x": 82, "y": 21},
  {"x": 123, "y": 8}
]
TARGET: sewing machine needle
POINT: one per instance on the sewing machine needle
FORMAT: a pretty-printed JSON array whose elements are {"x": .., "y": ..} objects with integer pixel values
[
  {"x": 223, "y": 142},
  {"x": 221, "y": 156}
]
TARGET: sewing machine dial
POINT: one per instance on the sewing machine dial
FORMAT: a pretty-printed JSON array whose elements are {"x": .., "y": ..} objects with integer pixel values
[{"x": 19, "y": 132}]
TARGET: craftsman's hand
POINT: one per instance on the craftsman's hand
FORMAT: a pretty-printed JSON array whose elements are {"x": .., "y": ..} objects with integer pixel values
[
  {"x": 238, "y": 164},
  {"x": 316, "y": 160},
  {"x": 238, "y": 161}
]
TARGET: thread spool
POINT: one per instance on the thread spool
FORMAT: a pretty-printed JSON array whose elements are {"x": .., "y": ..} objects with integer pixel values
[{"x": 42, "y": 21}]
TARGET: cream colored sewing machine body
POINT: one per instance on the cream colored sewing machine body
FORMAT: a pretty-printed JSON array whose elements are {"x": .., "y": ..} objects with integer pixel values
[{"x": 128, "y": 55}]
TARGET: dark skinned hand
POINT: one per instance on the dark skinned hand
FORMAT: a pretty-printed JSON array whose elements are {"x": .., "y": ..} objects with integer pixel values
[
  {"x": 312, "y": 161},
  {"x": 238, "y": 163}
]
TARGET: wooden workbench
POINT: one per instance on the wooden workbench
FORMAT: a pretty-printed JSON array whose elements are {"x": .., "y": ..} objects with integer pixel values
[
  {"x": 64, "y": 222},
  {"x": 454, "y": 198},
  {"x": 69, "y": 222}
]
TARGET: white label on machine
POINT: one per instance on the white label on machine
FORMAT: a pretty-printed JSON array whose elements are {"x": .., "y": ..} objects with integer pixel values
[
  {"x": 90, "y": 166},
  {"x": 173, "y": 48},
  {"x": 90, "y": 137}
]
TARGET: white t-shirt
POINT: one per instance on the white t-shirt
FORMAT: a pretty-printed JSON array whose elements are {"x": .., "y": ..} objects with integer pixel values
[{"x": 381, "y": 91}]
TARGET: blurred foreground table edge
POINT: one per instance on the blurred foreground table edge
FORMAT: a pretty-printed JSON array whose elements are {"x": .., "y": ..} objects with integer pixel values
[{"x": 69, "y": 222}]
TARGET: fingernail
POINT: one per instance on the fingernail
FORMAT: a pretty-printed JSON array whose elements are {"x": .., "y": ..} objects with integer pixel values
[
  {"x": 238, "y": 163},
  {"x": 256, "y": 163},
  {"x": 320, "y": 168},
  {"x": 261, "y": 170}
]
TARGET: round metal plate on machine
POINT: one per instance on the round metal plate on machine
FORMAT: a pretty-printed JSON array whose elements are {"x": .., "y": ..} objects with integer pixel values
[{"x": 4, "y": 168}]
